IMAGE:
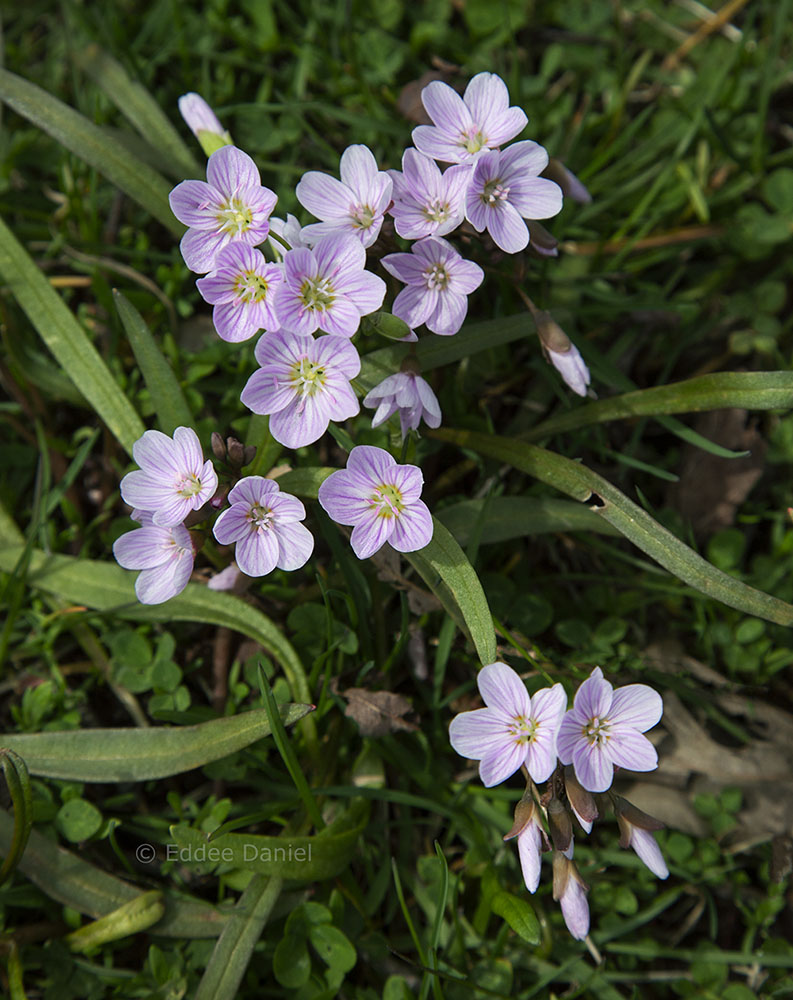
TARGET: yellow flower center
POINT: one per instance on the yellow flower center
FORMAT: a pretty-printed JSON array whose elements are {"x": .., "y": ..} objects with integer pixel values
[
  {"x": 307, "y": 378},
  {"x": 437, "y": 277},
  {"x": 494, "y": 192},
  {"x": 362, "y": 216},
  {"x": 188, "y": 486},
  {"x": 317, "y": 293},
  {"x": 234, "y": 217},
  {"x": 250, "y": 287},
  {"x": 523, "y": 730},
  {"x": 436, "y": 210},
  {"x": 387, "y": 498},
  {"x": 597, "y": 731},
  {"x": 472, "y": 140},
  {"x": 260, "y": 517}
]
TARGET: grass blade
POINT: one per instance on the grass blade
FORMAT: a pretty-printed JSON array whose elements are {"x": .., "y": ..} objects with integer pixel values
[
  {"x": 87, "y": 141},
  {"x": 18, "y": 781},
  {"x": 67, "y": 340},
  {"x": 169, "y": 401}
]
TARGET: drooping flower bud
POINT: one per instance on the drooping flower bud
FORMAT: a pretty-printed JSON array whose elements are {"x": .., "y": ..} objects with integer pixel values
[
  {"x": 570, "y": 890},
  {"x": 203, "y": 123},
  {"x": 635, "y": 831},
  {"x": 562, "y": 353},
  {"x": 532, "y": 840},
  {"x": 581, "y": 801},
  {"x": 571, "y": 186},
  {"x": 542, "y": 243},
  {"x": 561, "y": 827}
]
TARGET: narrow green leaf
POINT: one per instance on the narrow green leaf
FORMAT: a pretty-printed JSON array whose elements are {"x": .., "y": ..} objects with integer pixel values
[
  {"x": 87, "y": 141},
  {"x": 579, "y": 482},
  {"x": 519, "y": 914},
  {"x": 434, "y": 352},
  {"x": 114, "y": 755},
  {"x": 130, "y": 918},
  {"x": 141, "y": 110},
  {"x": 445, "y": 569},
  {"x": 169, "y": 402},
  {"x": 18, "y": 782},
  {"x": 232, "y": 953},
  {"x": 67, "y": 340},
  {"x": 749, "y": 390},
  {"x": 107, "y": 587},
  {"x": 302, "y": 859},
  {"x": 516, "y": 517},
  {"x": 71, "y": 881}
]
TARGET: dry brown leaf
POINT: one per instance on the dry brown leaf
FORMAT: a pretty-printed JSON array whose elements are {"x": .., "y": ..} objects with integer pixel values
[
  {"x": 711, "y": 489},
  {"x": 377, "y": 713}
]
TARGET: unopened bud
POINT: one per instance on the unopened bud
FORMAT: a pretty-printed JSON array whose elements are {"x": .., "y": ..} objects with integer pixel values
[
  {"x": 560, "y": 825},
  {"x": 236, "y": 452},
  {"x": 571, "y": 186},
  {"x": 582, "y": 802},
  {"x": 218, "y": 448},
  {"x": 562, "y": 353},
  {"x": 524, "y": 811},
  {"x": 249, "y": 453},
  {"x": 203, "y": 123},
  {"x": 570, "y": 890},
  {"x": 541, "y": 242},
  {"x": 629, "y": 815}
]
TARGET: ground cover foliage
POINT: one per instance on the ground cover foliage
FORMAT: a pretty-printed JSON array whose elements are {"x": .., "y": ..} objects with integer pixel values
[{"x": 673, "y": 282}]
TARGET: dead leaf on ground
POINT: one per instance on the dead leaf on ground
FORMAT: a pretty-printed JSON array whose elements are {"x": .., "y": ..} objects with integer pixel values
[
  {"x": 377, "y": 713},
  {"x": 710, "y": 488}
]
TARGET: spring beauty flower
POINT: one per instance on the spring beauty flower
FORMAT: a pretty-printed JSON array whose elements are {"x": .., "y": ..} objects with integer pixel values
[
  {"x": 203, "y": 123},
  {"x": 464, "y": 126},
  {"x": 380, "y": 499},
  {"x": 513, "y": 730},
  {"x": 439, "y": 281},
  {"x": 302, "y": 384},
  {"x": 505, "y": 189},
  {"x": 164, "y": 555},
  {"x": 241, "y": 287},
  {"x": 426, "y": 201},
  {"x": 355, "y": 204},
  {"x": 230, "y": 206},
  {"x": 604, "y": 728},
  {"x": 265, "y": 524},
  {"x": 173, "y": 478},
  {"x": 328, "y": 287},
  {"x": 570, "y": 890},
  {"x": 408, "y": 393}
]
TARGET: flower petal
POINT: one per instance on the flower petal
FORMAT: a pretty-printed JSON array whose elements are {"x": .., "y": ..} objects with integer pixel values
[
  {"x": 593, "y": 766},
  {"x": 497, "y": 766},
  {"x": 413, "y": 528},
  {"x": 631, "y": 750},
  {"x": 502, "y": 689},
  {"x": 637, "y": 706},
  {"x": 483, "y": 731},
  {"x": 295, "y": 543}
]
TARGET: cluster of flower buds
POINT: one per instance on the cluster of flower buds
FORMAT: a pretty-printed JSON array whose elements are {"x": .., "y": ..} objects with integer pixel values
[{"x": 575, "y": 751}]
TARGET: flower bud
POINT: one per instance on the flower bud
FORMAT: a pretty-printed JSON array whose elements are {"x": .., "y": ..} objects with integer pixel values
[
  {"x": 236, "y": 452},
  {"x": 581, "y": 801},
  {"x": 570, "y": 890},
  {"x": 541, "y": 242},
  {"x": 635, "y": 832},
  {"x": 561, "y": 827},
  {"x": 218, "y": 448},
  {"x": 571, "y": 186},
  {"x": 203, "y": 123},
  {"x": 532, "y": 840},
  {"x": 562, "y": 353}
]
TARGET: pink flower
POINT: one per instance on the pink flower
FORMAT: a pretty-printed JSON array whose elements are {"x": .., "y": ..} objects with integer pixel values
[
  {"x": 303, "y": 384},
  {"x": 231, "y": 205},
  {"x": 604, "y": 728},
  {"x": 408, "y": 393},
  {"x": 265, "y": 524},
  {"x": 570, "y": 890},
  {"x": 173, "y": 478},
  {"x": 242, "y": 287},
  {"x": 464, "y": 126},
  {"x": 328, "y": 287},
  {"x": 439, "y": 281},
  {"x": 513, "y": 730},
  {"x": 381, "y": 500},
  {"x": 505, "y": 189},
  {"x": 572, "y": 367},
  {"x": 164, "y": 555},
  {"x": 355, "y": 204},
  {"x": 427, "y": 202}
]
